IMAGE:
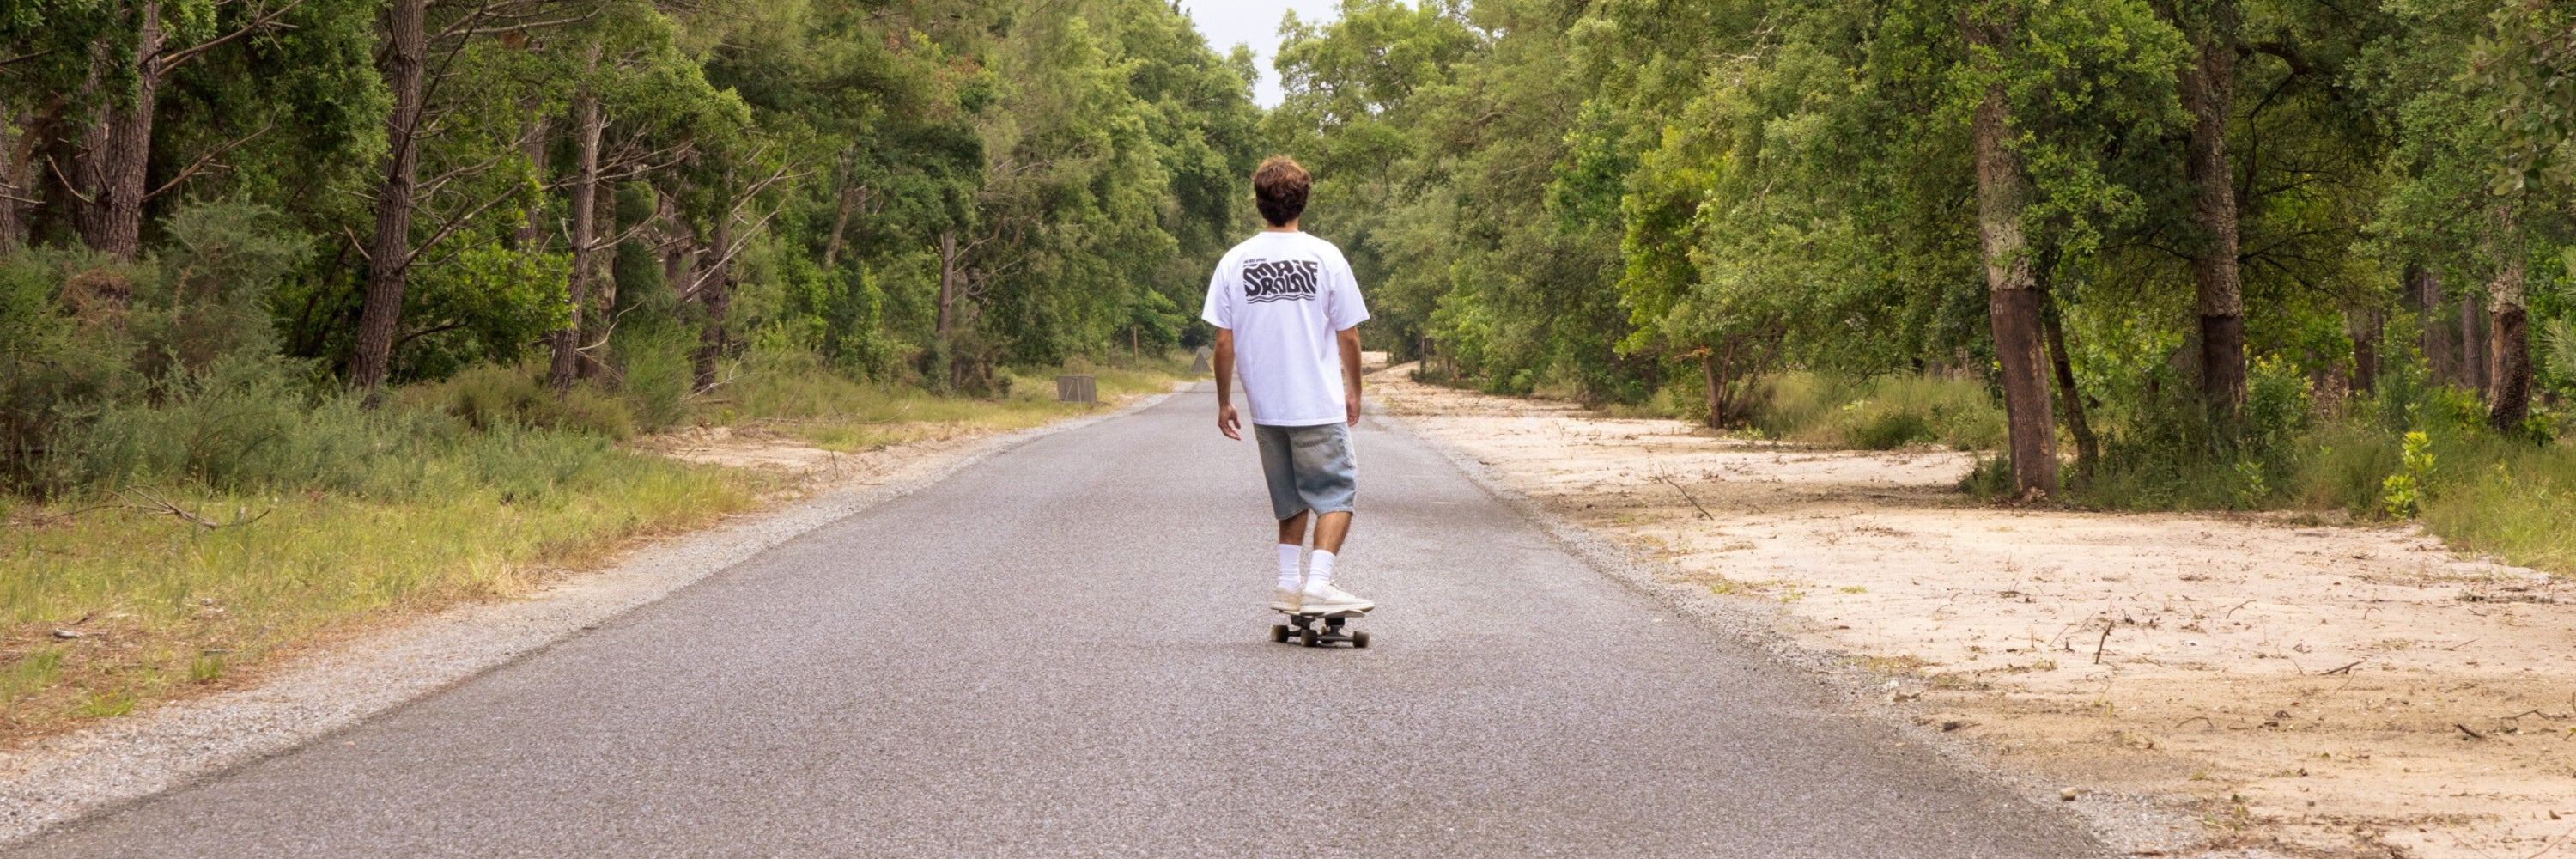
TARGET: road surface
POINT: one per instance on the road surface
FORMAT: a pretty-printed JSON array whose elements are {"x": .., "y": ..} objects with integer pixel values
[{"x": 1063, "y": 651}]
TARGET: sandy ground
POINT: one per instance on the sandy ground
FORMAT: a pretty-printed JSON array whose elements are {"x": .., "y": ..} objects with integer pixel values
[
  {"x": 2299, "y": 689},
  {"x": 762, "y": 448}
]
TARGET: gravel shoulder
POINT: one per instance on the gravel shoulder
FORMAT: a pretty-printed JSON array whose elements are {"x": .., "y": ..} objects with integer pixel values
[
  {"x": 64, "y": 778},
  {"x": 2230, "y": 686}
]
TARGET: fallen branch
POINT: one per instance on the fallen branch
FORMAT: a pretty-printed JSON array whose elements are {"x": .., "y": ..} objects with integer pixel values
[
  {"x": 1686, "y": 496},
  {"x": 163, "y": 505},
  {"x": 2107, "y": 625},
  {"x": 2346, "y": 669},
  {"x": 2465, "y": 730}
]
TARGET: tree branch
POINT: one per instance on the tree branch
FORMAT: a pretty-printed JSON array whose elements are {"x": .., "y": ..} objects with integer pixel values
[
  {"x": 174, "y": 59},
  {"x": 200, "y": 164}
]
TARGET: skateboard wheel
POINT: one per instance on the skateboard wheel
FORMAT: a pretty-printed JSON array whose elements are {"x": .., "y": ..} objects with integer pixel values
[
  {"x": 1279, "y": 632},
  {"x": 1359, "y": 639},
  {"x": 1307, "y": 637}
]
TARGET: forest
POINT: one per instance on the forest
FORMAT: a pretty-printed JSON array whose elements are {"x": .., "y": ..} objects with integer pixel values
[
  {"x": 369, "y": 194},
  {"x": 2203, "y": 253},
  {"x": 2174, "y": 237}
]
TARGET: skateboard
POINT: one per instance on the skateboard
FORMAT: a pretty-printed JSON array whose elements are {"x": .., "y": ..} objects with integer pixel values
[{"x": 1319, "y": 629}]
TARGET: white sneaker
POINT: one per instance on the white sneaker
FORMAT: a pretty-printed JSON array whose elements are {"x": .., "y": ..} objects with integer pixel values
[
  {"x": 1284, "y": 599},
  {"x": 1323, "y": 598}
]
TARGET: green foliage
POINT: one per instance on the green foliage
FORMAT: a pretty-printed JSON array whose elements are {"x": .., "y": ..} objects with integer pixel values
[
  {"x": 2402, "y": 493},
  {"x": 1881, "y": 413}
]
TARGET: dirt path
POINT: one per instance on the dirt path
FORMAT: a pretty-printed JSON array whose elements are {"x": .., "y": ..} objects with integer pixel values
[{"x": 2314, "y": 690}]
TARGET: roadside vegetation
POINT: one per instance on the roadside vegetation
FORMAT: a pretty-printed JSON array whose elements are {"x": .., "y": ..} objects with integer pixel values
[
  {"x": 2207, "y": 254},
  {"x": 317, "y": 315}
]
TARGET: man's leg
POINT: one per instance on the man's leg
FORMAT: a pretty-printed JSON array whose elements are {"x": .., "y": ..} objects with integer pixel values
[
  {"x": 1292, "y": 530},
  {"x": 1330, "y": 528},
  {"x": 1326, "y": 477},
  {"x": 1292, "y": 539}
]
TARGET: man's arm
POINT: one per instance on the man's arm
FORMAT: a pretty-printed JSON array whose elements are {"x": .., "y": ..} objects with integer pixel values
[
  {"x": 1349, "y": 340},
  {"x": 1225, "y": 421}
]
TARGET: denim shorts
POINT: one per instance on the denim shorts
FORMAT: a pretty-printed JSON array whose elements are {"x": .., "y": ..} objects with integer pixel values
[{"x": 1308, "y": 468}]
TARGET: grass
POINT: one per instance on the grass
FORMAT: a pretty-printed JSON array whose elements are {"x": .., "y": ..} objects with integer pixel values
[
  {"x": 2511, "y": 500},
  {"x": 1876, "y": 413},
  {"x": 471, "y": 489},
  {"x": 1880, "y": 413},
  {"x": 837, "y": 413},
  {"x": 162, "y": 604}
]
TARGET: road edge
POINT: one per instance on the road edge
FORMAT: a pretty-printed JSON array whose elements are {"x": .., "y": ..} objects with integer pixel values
[
  {"x": 2123, "y": 825},
  {"x": 62, "y": 780}
]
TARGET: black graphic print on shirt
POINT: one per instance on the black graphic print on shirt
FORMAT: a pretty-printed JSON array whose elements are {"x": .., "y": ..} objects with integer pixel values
[{"x": 1279, "y": 280}]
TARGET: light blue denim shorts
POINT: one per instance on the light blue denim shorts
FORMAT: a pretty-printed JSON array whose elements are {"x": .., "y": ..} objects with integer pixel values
[{"x": 1309, "y": 468}]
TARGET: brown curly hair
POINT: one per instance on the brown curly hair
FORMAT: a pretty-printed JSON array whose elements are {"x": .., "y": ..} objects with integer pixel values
[{"x": 1279, "y": 190}]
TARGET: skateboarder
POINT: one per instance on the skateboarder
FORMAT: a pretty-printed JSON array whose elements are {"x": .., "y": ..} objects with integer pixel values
[{"x": 1286, "y": 305}]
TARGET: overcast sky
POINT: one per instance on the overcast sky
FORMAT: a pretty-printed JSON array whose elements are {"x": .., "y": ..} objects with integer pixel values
[{"x": 1255, "y": 23}]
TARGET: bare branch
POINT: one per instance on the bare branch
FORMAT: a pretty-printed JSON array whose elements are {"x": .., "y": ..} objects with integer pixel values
[
  {"x": 201, "y": 163},
  {"x": 174, "y": 59}
]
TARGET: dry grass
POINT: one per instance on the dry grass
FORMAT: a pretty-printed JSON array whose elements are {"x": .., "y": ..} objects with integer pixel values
[
  {"x": 109, "y": 601},
  {"x": 161, "y": 606}
]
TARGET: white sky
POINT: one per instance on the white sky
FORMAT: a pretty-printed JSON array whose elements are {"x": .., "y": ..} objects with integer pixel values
[{"x": 1255, "y": 23}]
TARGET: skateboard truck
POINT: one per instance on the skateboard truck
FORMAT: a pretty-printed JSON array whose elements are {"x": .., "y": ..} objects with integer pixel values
[{"x": 1319, "y": 630}]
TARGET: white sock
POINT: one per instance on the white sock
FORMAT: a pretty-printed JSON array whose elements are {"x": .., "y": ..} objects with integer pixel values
[
  {"x": 1319, "y": 569},
  {"x": 1288, "y": 565}
]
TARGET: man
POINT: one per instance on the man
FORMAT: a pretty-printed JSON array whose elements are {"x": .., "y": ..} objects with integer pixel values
[{"x": 1286, "y": 304}]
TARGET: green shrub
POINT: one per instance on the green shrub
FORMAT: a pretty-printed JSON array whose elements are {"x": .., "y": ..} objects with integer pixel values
[
  {"x": 655, "y": 375},
  {"x": 1881, "y": 413},
  {"x": 1888, "y": 430},
  {"x": 487, "y": 397}
]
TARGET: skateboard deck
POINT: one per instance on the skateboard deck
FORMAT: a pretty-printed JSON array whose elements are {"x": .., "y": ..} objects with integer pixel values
[{"x": 1319, "y": 629}]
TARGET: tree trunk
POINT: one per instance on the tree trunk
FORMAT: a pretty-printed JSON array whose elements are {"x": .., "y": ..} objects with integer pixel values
[
  {"x": 2366, "y": 327},
  {"x": 389, "y": 254},
  {"x": 603, "y": 287},
  {"x": 2422, "y": 294},
  {"x": 2087, "y": 450},
  {"x": 679, "y": 248},
  {"x": 2208, "y": 93},
  {"x": 17, "y": 152},
  {"x": 2473, "y": 343},
  {"x": 2509, "y": 370},
  {"x": 585, "y": 210},
  {"x": 1716, "y": 383},
  {"x": 532, "y": 234},
  {"x": 716, "y": 295},
  {"x": 947, "y": 281},
  {"x": 116, "y": 153},
  {"x": 851, "y": 196},
  {"x": 2012, "y": 295}
]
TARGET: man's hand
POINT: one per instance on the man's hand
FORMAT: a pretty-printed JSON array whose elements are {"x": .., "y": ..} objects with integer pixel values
[
  {"x": 1225, "y": 421},
  {"x": 1348, "y": 341}
]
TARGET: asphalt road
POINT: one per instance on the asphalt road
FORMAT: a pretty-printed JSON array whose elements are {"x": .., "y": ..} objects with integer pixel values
[{"x": 1063, "y": 651}]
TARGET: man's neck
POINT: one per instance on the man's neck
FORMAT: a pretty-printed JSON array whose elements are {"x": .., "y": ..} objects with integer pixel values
[{"x": 1289, "y": 227}]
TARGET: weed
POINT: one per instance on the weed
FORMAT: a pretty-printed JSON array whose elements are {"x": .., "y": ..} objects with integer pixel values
[
  {"x": 2402, "y": 494},
  {"x": 102, "y": 705},
  {"x": 29, "y": 673}
]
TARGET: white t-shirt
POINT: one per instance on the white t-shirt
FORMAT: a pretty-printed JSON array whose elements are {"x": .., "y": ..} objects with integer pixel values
[{"x": 1284, "y": 295}]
